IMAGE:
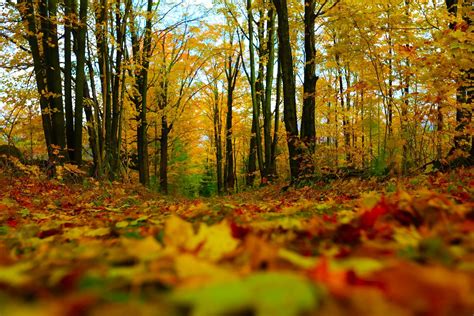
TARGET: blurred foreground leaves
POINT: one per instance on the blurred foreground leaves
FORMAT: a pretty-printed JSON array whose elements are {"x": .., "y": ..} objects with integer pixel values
[{"x": 349, "y": 248}]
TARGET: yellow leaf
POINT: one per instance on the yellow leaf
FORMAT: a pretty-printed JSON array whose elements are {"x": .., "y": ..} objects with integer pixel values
[
  {"x": 121, "y": 224},
  {"x": 85, "y": 231},
  {"x": 369, "y": 199},
  {"x": 297, "y": 259},
  {"x": 189, "y": 267},
  {"x": 406, "y": 236},
  {"x": 217, "y": 241},
  {"x": 213, "y": 242},
  {"x": 98, "y": 232},
  {"x": 15, "y": 274},
  {"x": 144, "y": 249},
  {"x": 177, "y": 232}
]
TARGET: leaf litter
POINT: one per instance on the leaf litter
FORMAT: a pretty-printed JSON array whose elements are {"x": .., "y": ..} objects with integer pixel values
[{"x": 352, "y": 247}]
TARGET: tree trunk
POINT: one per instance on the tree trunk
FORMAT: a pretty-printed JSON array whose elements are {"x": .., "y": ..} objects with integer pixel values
[
  {"x": 164, "y": 155},
  {"x": 267, "y": 114},
  {"x": 252, "y": 160},
  {"x": 289, "y": 89},
  {"x": 120, "y": 28},
  {"x": 465, "y": 90},
  {"x": 218, "y": 145},
  {"x": 104, "y": 73},
  {"x": 273, "y": 168},
  {"x": 232, "y": 71},
  {"x": 255, "y": 103},
  {"x": 28, "y": 16},
  {"x": 308, "y": 122},
  {"x": 53, "y": 77},
  {"x": 80, "y": 80},
  {"x": 68, "y": 11}
]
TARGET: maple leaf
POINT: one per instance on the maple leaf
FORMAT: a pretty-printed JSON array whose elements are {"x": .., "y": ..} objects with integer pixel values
[
  {"x": 210, "y": 242},
  {"x": 368, "y": 218}
]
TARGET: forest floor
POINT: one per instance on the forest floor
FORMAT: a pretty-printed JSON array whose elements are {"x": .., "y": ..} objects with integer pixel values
[{"x": 396, "y": 247}]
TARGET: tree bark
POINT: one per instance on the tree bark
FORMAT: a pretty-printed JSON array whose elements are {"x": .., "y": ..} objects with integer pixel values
[
  {"x": 231, "y": 71},
  {"x": 465, "y": 90},
  {"x": 308, "y": 122},
  {"x": 164, "y": 155},
  {"x": 218, "y": 141},
  {"x": 267, "y": 114},
  {"x": 28, "y": 16},
  {"x": 80, "y": 80},
  {"x": 255, "y": 103},
  {"x": 68, "y": 11},
  {"x": 53, "y": 77},
  {"x": 289, "y": 89}
]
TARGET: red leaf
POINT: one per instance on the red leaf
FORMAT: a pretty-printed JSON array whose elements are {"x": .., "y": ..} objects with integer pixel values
[
  {"x": 330, "y": 218},
  {"x": 368, "y": 219},
  {"x": 347, "y": 234},
  {"x": 49, "y": 232},
  {"x": 238, "y": 231},
  {"x": 12, "y": 222}
]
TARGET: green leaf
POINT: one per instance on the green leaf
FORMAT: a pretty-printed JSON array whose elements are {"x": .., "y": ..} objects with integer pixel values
[
  {"x": 3, "y": 230},
  {"x": 278, "y": 294}
]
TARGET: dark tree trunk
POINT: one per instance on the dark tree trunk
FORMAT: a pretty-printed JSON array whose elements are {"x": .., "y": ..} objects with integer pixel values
[
  {"x": 267, "y": 114},
  {"x": 80, "y": 80},
  {"x": 252, "y": 160},
  {"x": 68, "y": 11},
  {"x": 289, "y": 89},
  {"x": 104, "y": 74},
  {"x": 232, "y": 71},
  {"x": 28, "y": 16},
  {"x": 45, "y": 55},
  {"x": 96, "y": 121},
  {"x": 117, "y": 76},
  {"x": 308, "y": 127},
  {"x": 142, "y": 59},
  {"x": 218, "y": 144},
  {"x": 255, "y": 96},
  {"x": 91, "y": 127},
  {"x": 53, "y": 77},
  {"x": 273, "y": 168},
  {"x": 465, "y": 91},
  {"x": 345, "y": 120},
  {"x": 164, "y": 155}
]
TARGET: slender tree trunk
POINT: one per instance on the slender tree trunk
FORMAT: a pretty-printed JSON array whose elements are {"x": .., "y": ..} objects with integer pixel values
[
  {"x": 267, "y": 112},
  {"x": 104, "y": 73},
  {"x": 91, "y": 126},
  {"x": 273, "y": 167},
  {"x": 252, "y": 160},
  {"x": 164, "y": 155},
  {"x": 142, "y": 59},
  {"x": 218, "y": 143},
  {"x": 80, "y": 80},
  {"x": 255, "y": 103},
  {"x": 98, "y": 166},
  {"x": 347, "y": 110},
  {"x": 308, "y": 127},
  {"x": 53, "y": 76},
  {"x": 232, "y": 71},
  {"x": 68, "y": 11},
  {"x": 120, "y": 28},
  {"x": 289, "y": 89},
  {"x": 345, "y": 127}
]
